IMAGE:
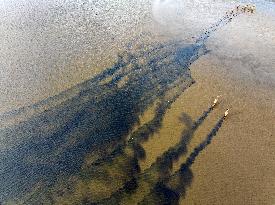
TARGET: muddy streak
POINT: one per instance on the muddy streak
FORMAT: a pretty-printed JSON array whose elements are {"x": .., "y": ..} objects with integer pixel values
[
  {"x": 171, "y": 188},
  {"x": 142, "y": 154},
  {"x": 99, "y": 114},
  {"x": 130, "y": 152},
  {"x": 102, "y": 112},
  {"x": 161, "y": 168}
]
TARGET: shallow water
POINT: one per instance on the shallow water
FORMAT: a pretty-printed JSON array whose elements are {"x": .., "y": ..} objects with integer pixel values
[{"x": 132, "y": 130}]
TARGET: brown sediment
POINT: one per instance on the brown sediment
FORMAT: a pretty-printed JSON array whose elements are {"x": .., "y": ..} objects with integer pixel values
[
  {"x": 197, "y": 94},
  {"x": 238, "y": 168},
  {"x": 225, "y": 163},
  {"x": 240, "y": 161},
  {"x": 231, "y": 170}
]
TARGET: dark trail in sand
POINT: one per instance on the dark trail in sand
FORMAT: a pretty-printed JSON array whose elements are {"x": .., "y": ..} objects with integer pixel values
[{"x": 55, "y": 142}]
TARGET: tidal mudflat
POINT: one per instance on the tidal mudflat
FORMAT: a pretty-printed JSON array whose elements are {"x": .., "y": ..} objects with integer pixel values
[{"x": 143, "y": 130}]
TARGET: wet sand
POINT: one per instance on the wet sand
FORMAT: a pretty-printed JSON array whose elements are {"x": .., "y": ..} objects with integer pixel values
[{"x": 238, "y": 167}]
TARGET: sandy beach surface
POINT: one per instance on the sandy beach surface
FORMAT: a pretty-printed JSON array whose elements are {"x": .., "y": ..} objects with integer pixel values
[{"x": 143, "y": 105}]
